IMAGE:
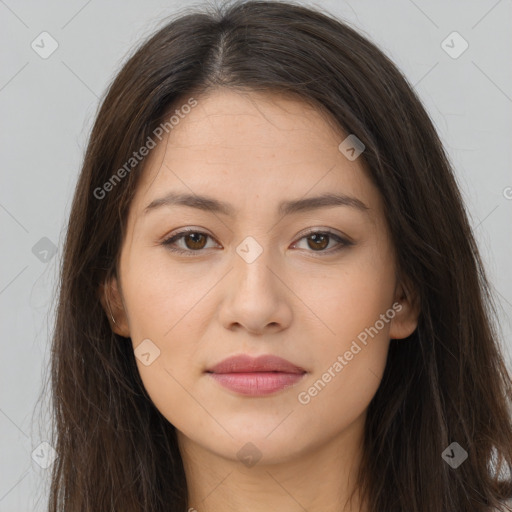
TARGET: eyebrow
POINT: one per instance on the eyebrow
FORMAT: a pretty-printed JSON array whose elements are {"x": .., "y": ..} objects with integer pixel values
[{"x": 289, "y": 207}]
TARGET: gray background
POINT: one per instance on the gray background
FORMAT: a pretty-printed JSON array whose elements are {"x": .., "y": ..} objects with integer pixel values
[{"x": 47, "y": 107}]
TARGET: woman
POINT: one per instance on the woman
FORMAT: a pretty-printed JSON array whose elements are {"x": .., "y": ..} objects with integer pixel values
[{"x": 271, "y": 297}]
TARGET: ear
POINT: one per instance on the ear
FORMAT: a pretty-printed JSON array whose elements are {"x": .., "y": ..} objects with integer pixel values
[
  {"x": 112, "y": 302},
  {"x": 407, "y": 308}
]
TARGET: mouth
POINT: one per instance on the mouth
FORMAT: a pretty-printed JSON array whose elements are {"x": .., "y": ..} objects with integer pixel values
[{"x": 251, "y": 376}]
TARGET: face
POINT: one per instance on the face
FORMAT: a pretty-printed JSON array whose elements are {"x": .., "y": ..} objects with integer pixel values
[{"x": 266, "y": 268}]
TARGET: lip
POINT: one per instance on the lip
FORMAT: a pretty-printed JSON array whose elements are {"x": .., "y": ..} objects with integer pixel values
[{"x": 256, "y": 376}]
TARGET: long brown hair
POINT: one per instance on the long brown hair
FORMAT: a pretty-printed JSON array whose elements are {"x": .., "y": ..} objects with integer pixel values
[{"x": 446, "y": 383}]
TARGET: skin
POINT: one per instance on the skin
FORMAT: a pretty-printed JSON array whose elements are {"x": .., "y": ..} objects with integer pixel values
[{"x": 254, "y": 150}]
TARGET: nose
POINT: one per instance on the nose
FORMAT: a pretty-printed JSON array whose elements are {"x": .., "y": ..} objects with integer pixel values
[{"x": 256, "y": 297}]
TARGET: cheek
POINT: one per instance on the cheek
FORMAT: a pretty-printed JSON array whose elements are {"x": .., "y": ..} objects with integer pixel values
[
  {"x": 350, "y": 298},
  {"x": 334, "y": 401},
  {"x": 165, "y": 304},
  {"x": 350, "y": 357},
  {"x": 160, "y": 297},
  {"x": 348, "y": 366}
]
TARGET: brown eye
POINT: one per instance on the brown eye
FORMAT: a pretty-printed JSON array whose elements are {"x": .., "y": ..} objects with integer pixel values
[
  {"x": 319, "y": 241},
  {"x": 190, "y": 240},
  {"x": 197, "y": 241},
  {"x": 193, "y": 242}
]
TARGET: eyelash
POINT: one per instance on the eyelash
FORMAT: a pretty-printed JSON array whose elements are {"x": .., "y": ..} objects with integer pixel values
[{"x": 343, "y": 242}]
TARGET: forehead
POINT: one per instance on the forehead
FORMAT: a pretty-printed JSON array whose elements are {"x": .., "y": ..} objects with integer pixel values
[
  {"x": 240, "y": 147},
  {"x": 244, "y": 120}
]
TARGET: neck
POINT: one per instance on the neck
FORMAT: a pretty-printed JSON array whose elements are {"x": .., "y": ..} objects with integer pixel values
[{"x": 316, "y": 479}]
